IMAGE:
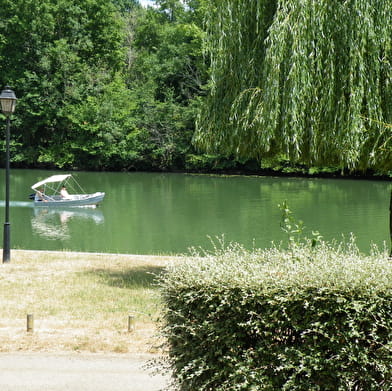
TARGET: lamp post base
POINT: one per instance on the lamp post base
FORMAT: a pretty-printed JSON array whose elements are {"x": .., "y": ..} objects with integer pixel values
[{"x": 6, "y": 243}]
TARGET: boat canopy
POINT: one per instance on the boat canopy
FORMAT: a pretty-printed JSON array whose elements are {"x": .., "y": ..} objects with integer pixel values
[{"x": 51, "y": 179}]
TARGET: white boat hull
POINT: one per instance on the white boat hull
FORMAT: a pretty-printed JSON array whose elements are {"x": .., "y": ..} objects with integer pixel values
[{"x": 73, "y": 200}]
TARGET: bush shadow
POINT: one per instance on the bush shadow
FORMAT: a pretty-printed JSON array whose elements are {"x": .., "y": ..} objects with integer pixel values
[{"x": 136, "y": 277}]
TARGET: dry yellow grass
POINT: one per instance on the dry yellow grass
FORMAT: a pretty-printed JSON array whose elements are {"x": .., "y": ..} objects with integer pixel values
[{"x": 80, "y": 302}]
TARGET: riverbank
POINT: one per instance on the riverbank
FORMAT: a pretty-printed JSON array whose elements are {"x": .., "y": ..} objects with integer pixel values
[{"x": 81, "y": 302}]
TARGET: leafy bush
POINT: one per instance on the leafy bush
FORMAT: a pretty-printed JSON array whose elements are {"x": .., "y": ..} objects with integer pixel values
[{"x": 307, "y": 318}]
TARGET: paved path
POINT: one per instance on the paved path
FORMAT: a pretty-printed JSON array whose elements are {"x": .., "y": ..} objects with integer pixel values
[{"x": 77, "y": 372}]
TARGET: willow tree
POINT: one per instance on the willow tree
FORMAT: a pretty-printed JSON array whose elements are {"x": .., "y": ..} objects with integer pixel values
[{"x": 307, "y": 79}]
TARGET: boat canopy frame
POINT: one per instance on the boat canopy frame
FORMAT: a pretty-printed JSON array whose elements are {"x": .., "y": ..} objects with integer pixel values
[{"x": 54, "y": 184}]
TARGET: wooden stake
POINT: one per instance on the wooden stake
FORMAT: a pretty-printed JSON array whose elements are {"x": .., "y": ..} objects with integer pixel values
[
  {"x": 131, "y": 323},
  {"x": 30, "y": 323}
]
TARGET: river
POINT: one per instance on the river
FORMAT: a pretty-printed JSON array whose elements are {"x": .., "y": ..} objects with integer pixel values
[{"x": 159, "y": 213}]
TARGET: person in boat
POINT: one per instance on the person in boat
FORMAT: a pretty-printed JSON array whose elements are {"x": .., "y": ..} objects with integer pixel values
[
  {"x": 40, "y": 196},
  {"x": 64, "y": 193}
]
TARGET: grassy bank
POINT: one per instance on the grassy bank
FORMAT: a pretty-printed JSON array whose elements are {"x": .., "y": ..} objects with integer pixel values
[{"x": 80, "y": 302}]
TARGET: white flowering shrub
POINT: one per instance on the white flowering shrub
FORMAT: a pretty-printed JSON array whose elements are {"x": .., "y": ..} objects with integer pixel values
[{"x": 307, "y": 318}]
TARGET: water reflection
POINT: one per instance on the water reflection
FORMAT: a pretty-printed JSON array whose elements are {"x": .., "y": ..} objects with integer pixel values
[
  {"x": 53, "y": 223},
  {"x": 19, "y": 204}
]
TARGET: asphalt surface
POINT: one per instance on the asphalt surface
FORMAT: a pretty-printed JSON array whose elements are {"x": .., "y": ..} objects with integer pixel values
[{"x": 78, "y": 372}]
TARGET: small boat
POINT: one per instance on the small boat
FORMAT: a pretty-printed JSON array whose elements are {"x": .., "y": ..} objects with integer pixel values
[{"x": 52, "y": 192}]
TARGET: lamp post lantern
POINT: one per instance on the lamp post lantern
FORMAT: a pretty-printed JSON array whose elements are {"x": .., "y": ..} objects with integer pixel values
[{"x": 8, "y": 103}]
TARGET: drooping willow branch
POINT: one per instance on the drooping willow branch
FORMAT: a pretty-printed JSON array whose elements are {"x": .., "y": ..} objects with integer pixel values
[{"x": 300, "y": 78}]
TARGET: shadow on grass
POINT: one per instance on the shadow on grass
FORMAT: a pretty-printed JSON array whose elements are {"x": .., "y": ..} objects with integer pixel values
[{"x": 136, "y": 277}]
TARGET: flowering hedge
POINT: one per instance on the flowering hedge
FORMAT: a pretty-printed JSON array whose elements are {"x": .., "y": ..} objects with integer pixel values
[{"x": 299, "y": 319}]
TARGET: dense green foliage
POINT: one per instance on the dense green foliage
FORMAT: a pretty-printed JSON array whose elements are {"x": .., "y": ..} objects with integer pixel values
[
  {"x": 309, "y": 80},
  {"x": 308, "y": 318},
  {"x": 294, "y": 85},
  {"x": 102, "y": 85},
  {"x": 167, "y": 77},
  {"x": 55, "y": 54}
]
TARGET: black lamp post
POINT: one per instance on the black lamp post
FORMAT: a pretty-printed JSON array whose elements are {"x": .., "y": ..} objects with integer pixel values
[{"x": 8, "y": 103}]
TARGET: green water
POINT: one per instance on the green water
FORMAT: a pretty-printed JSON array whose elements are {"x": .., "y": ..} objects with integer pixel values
[{"x": 153, "y": 213}]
